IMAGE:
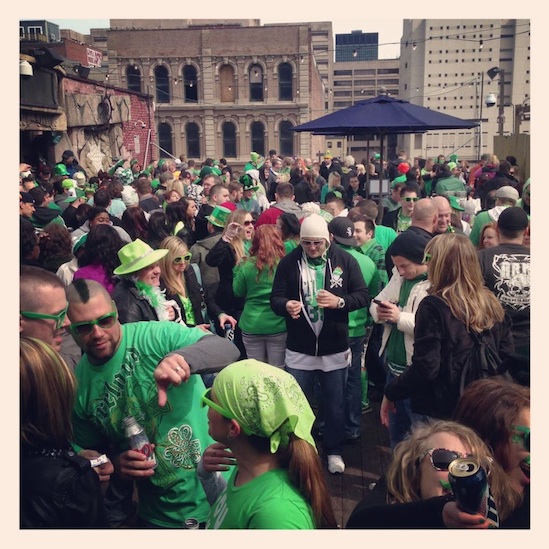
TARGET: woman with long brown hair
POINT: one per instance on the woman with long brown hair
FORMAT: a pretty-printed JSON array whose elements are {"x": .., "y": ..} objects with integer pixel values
[
  {"x": 262, "y": 423},
  {"x": 263, "y": 332},
  {"x": 458, "y": 310}
]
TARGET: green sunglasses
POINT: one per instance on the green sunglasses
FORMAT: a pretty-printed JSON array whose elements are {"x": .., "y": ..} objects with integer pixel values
[
  {"x": 182, "y": 258},
  {"x": 86, "y": 328},
  {"x": 59, "y": 317},
  {"x": 205, "y": 401}
]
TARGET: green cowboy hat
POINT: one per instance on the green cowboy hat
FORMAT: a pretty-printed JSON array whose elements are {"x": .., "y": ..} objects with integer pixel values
[
  {"x": 136, "y": 256},
  {"x": 248, "y": 183}
]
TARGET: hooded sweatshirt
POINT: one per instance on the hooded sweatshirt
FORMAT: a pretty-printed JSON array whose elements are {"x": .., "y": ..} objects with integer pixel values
[{"x": 270, "y": 215}]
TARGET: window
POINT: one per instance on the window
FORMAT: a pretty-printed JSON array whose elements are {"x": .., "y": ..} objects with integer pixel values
[
  {"x": 165, "y": 138},
  {"x": 343, "y": 73},
  {"x": 257, "y": 131},
  {"x": 256, "y": 83},
  {"x": 162, "y": 84},
  {"x": 193, "y": 140},
  {"x": 133, "y": 78},
  {"x": 285, "y": 91},
  {"x": 190, "y": 84},
  {"x": 227, "y": 84},
  {"x": 229, "y": 140},
  {"x": 286, "y": 136}
]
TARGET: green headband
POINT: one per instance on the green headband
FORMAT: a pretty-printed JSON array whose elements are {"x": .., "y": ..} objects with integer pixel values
[{"x": 266, "y": 401}]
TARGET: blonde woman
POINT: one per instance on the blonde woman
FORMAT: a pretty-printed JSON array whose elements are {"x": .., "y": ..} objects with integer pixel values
[
  {"x": 458, "y": 309},
  {"x": 334, "y": 181},
  {"x": 416, "y": 492},
  {"x": 228, "y": 251}
]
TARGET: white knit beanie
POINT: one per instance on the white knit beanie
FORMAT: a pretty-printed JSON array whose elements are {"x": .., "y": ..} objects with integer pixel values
[{"x": 314, "y": 226}]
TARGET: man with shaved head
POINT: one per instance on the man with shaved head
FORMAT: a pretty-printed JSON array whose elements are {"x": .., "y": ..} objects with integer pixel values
[{"x": 444, "y": 214}]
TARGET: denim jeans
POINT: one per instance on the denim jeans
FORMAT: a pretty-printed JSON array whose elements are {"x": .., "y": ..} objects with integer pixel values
[
  {"x": 269, "y": 348},
  {"x": 353, "y": 389},
  {"x": 400, "y": 421},
  {"x": 331, "y": 405}
]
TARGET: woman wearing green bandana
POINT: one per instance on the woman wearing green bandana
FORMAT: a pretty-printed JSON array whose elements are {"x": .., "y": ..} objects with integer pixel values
[{"x": 262, "y": 422}]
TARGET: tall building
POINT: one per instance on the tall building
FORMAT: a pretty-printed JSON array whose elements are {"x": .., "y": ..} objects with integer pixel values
[
  {"x": 445, "y": 65},
  {"x": 356, "y": 46}
]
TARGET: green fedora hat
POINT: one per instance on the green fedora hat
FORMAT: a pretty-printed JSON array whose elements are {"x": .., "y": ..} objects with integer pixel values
[
  {"x": 136, "y": 256},
  {"x": 219, "y": 216}
]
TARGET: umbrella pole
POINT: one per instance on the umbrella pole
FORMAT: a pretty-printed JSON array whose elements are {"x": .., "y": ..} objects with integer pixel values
[
  {"x": 380, "y": 175},
  {"x": 367, "y": 168}
]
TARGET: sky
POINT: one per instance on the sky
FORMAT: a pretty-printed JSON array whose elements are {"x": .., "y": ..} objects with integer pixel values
[{"x": 389, "y": 30}]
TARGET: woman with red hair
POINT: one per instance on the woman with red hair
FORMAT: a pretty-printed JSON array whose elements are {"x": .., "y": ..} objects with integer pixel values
[{"x": 263, "y": 332}]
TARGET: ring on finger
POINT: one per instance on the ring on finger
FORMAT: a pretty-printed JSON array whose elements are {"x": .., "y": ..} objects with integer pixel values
[{"x": 178, "y": 368}]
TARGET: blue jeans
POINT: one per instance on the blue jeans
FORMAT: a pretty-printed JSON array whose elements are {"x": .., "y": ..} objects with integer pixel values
[
  {"x": 353, "y": 389},
  {"x": 400, "y": 421},
  {"x": 331, "y": 404}
]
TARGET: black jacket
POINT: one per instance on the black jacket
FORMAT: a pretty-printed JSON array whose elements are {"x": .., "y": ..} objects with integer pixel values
[
  {"x": 442, "y": 346},
  {"x": 131, "y": 306},
  {"x": 287, "y": 285},
  {"x": 59, "y": 489}
]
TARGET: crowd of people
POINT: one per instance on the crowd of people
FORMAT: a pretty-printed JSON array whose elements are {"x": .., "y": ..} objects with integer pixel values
[{"x": 243, "y": 318}]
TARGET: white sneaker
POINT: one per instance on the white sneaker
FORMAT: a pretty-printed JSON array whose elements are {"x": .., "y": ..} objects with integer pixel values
[{"x": 336, "y": 464}]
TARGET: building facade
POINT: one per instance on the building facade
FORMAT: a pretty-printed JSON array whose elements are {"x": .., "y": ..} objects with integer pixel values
[
  {"x": 444, "y": 66},
  {"x": 223, "y": 89}
]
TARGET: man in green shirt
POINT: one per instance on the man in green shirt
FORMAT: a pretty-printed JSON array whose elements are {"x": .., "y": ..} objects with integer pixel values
[{"x": 138, "y": 370}]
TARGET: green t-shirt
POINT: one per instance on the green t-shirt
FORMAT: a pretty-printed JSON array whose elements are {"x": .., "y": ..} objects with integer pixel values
[
  {"x": 267, "y": 502},
  {"x": 257, "y": 316},
  {"x": 125, "y": 386}
]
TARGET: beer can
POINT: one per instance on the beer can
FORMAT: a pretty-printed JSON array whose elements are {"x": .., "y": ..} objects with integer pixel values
[
  {"x": 470, "y": 486},
  {"x": 191, "y": 524}
]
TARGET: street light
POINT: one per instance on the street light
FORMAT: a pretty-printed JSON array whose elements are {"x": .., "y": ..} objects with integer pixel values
[{"x": 492, "y": 74}]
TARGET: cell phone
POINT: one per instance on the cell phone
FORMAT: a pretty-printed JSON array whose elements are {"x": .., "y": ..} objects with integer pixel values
[{"x": 378, "y": 302}]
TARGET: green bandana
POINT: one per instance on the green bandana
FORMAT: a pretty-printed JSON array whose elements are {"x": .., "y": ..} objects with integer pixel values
[{"x": 265, "y": 400}]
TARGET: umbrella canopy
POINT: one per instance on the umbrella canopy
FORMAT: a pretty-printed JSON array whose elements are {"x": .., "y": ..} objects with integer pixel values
[{"x": 383, "y": 115}]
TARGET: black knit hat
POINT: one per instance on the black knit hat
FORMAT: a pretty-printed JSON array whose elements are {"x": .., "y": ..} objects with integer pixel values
[
  {"x": 513, "y": 219},
  {"x": 410, "y": 245}
]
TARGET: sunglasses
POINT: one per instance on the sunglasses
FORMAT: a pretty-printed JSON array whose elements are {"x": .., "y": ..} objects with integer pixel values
[
  {"x": 410, "y": 198},
  {"x": 426, "y": 258},
  {"x": 59, "y": 317},
  {"x": 441, "y": 458},
  {"x": 86, "y": 328},
  {"x": 182, "y": 258},
  {"x": 521, "y": 436},
  {"x": 315, "y": 243},
  {"x": 248, "y": 223}
]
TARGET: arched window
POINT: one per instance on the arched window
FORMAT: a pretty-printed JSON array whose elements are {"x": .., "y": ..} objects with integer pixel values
[
  {"x": 227, "y": 84},
  {"x": 133, "y": 78},
  {"x": 190, "y": 82},
  {"x": 193, "y": 140},
  {"x": 162, "y": 84},
  {"x": 286, "y": 136},
  {"x": 229, "y": 140},
  {"x": 256, "y": 83},
  {"x": 257, "y": 130},
  {"x": 285, "y": 91},
  {"x": 165, "y": 139}
]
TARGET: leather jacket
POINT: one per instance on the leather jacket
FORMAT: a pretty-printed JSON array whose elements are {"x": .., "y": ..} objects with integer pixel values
[
  {"x": 59, "y": 489},
  {"x": 131, "y": 306}
]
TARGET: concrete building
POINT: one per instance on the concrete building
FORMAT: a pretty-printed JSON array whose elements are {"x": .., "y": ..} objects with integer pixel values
[
  {"x": 356, "y": 46},
  {"x": 444, "y": 66},
  {"x": 223, "y": 89}
]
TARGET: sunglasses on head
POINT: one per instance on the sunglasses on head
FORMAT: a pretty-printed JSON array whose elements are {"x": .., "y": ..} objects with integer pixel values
[
  {"x": 441, "y": 458},
  {"x": 59, "y": 317},
  {"x": 182, "y": 258},
  {"x": 410, "y": 198},
  {"x": 86, "y": 328}
]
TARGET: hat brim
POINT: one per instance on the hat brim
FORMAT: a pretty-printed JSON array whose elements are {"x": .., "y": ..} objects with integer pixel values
[
  {"x": 71, "y": 199},
  {"x": 215, "y": 221},
  {"x": 149, "y": 259},
  {"x": 346, "y": 241},
  {"x": 250, "y": 188}
]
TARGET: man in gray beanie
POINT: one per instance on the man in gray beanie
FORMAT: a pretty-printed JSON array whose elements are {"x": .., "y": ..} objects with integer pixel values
[{"x": 315, "y": 287}]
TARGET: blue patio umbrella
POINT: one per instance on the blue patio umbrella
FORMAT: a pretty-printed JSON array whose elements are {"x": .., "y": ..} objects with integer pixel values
[{"x": 383, "y": 115}]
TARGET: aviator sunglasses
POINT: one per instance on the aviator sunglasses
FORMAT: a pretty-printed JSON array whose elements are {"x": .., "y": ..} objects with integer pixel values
[{"x": 441, "y": 458}]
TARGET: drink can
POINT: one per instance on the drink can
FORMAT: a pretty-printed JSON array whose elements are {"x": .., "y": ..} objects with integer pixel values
[
  {"x": 138, "y": 439},
  {"x": 191, "y": 524},
  {"x": 470, "y": 486}
]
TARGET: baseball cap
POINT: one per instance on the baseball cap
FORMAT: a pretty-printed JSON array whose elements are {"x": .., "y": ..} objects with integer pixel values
[{"x": 343, "y": 230}]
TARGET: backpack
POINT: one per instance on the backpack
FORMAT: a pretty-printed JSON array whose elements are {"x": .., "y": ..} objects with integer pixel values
[{"x": 483, "y": 361}]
